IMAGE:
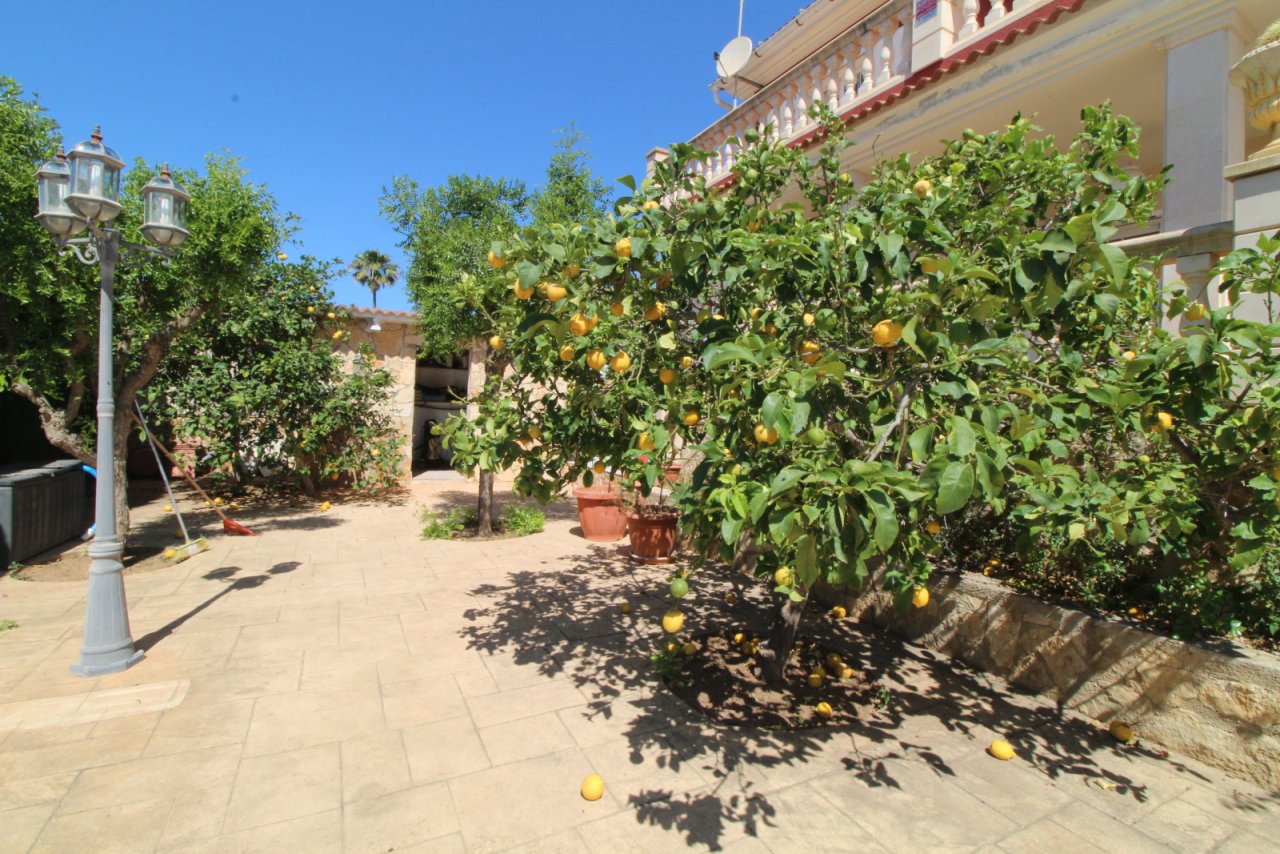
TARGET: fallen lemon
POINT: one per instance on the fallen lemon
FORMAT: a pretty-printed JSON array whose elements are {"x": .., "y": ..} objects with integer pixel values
[
  {"x": 839, "y": 612},
  {"x": 834, "y": 661},
  {"x": 625, "y": 607},
  {"x": 1002, "y": 750},
  {"x": 1122, "y": 732},
  {"x": 815, "y": 680},
  {"x": 168, "y": 508},
  {"x": 690, "y": 648},
  {"x": 673, "y": 621},
  {"x": 325, "y": 506},
  {"x": 738, "y": 637},
  {"x": 823, "y": 709},
  {"x": 169, "y": 553},
  {"x": 592, "y": 787}
]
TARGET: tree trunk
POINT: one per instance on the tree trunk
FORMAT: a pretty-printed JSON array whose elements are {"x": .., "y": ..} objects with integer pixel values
[
  {"x": 484, "y": 505},
  {"x": 782, "y": 637}
]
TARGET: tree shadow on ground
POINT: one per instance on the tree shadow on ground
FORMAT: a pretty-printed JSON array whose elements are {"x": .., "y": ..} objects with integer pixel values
[{"x": 563, "y": 620}]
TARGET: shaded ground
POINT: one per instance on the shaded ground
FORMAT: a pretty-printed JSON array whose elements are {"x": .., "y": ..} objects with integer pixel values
[{"x": 336, "y": 684}]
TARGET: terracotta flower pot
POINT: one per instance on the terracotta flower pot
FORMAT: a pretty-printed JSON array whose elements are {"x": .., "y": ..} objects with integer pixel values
[
  {"x": 600, "y": 512},
  {"x": 653, "y": 535}
]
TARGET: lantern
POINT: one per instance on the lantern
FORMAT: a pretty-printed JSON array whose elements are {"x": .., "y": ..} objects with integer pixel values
[
  {"x": 95, "y": 180},
  {"x": 53, "y": 180},
  {"x": 164, "y": 210}
]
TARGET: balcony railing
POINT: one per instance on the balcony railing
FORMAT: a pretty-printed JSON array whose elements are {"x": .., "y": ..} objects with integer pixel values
[{"x": 857, "y": 65}]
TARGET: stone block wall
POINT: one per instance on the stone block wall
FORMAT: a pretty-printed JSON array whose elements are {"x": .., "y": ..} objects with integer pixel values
[
  {"x": 395, "y": 350},
  {"x": 1217, "y": 702}
]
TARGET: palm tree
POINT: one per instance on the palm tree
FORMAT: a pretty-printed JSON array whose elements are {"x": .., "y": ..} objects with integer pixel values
[{"x": 375, "y": 271}]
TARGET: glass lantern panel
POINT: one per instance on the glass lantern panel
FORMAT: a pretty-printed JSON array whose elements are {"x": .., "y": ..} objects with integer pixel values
[
  {"x": 52, "y": 192},
  {"x": 111, "y": 183},
  {"x": 180, "y": 213},
  {"x": 86, "y": 176},
  {"x": 160, "y": 208}
]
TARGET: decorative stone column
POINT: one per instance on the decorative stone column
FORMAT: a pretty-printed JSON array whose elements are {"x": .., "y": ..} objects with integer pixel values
[{"x": 933, "y": 31}]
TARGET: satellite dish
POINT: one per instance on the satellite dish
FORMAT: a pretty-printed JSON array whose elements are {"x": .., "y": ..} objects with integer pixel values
[{"x": 733, "y": 58}]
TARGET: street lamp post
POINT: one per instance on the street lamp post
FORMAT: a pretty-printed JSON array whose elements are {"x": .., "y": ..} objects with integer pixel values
[{"x": 81, "y": 191}]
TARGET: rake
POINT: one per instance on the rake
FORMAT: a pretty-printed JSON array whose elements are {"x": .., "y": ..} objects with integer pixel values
[
  {"x": 229, "y": 525},
  {"x": 189, "y": 547}
]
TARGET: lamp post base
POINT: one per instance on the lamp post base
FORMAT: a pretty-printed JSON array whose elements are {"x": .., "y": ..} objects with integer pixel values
[{"x": 108, "y": 645}]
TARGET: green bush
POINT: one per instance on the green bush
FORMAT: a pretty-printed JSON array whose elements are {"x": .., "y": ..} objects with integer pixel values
[
  {"x": 446, "y": 526},
  {"x": 520, "y": 520}
]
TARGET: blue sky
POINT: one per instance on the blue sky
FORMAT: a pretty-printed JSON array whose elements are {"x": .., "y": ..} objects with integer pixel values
[{"x": 325, "y": 102}]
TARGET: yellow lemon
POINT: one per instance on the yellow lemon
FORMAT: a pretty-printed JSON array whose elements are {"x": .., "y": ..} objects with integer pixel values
[
  {"x": 598, "y": 468},
  {"x": 846, "y": 672},
  {"x": 496, "y": 343},
  {"x": 934, "y": 528},
  {"x": 839, "y": 612},
  {"x": 667, "y": 376},
  {"x": 690, "y": 418},
  {"x": 496, "y": 261},
  {"x": 834, "y": 661},
  {"x": 579, "y": 325},
  {"x": 572, "y": 270},
  {"x": 886, "y": 333},
  {"x": 645, "y": 442},
  {"x": 592, "y": 787},
  {"x": 686, "y": 362},
  {"x": 808, "y": 318},
  {"x": 655, "y": 311},
  {"x": 337, "y": 335},
  {"x": 535, "y": 432},
  {"x": 672, "y": 646},
  {"x": 651, "y": 204},
  {"x": 617, "y": 308},
  {"x": 168, "y": 508},
  {"x": 623, "y": 247},
  {"x": 1130, "y": 355},
  {"x": 620, "y": 362},
  {"x": 625, "y": 607},
  {"x": 555, "y": 293},
  {"x": 311, "y": 309},
  {"x": 673, "y": 621},
  {"x": 234, "y": 506},
  {"x": 1002, "y": 750},
  {"x": 1122, "y": 732},
  {"x": 922, "y": 188},
  {"x": 332, "y": 316},
  {"x": 217, "y": 501},
  {"x": 1164, "y": 420},
  {"x": 809, "y": 351},
  {"x": 282, "y": 256},
  {"x": 739, "y": 637},
  {"x": 784, "y": 577},
  {"x": 731, "y": 598},
  {"x": 814, "y": 680},
  {"x": 690, "y": 648},
  {"x": 325, "y": 506},
  {"x": 1196, "y": 311},
  {"x": 566, "y": 353},
  {"x": 765, "y": 435},
  {"x": 823, "y": 709},
  {"x": 595, "y": 359},
  {"x": 169, "y": 553},
  {"x": 921, "y": 597},
  {"x": 521, "y": 293}
]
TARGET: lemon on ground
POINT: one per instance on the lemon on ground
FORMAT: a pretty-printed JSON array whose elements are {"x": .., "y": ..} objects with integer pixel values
[
  {"x": 645, "y": 441},
  {"x": 1121, "y": 732},
  {"x": 921, "y": 597},
  {"x": 618, "y": 309},
  {"x": 834, "y": 661},
  {"x": 566, "y": 353},
  {"x": 234, "y": 506},
  {"x": 521, "y": 293},
  {"x": 625, "y": 607},
  {"x": 623, "y": 247},
  {"x": 592, "y": 787},
  {"x": 739, "y": 637},
  {"x": 168, "y": 508},
  {"x": 922, "y": 188},
  {"x": 839, "y": 612},
  {"x": 846, "y": 672},
  {"x": 809, "y": 351},
  {"x": 673, "y": 621},
  {"x": 784, "y": 577},
  {"x": 749, "y": 648},
  {"x": 691, "y": 418},
  {"x": 375, "y": 453},
  {"x": 686, "y": 362},
  {"x": 579, "y": 325},
  {"x": 555, "y": 293},
  {"x": 595, "y": 359},
  {"x": 496, "y": 261},
  {"x": 814, "y": 680},
  {"x": 690, "y": 648},
  {"x": 620, "y": 362},
  {"x": 672, "y": 646},
  {"x": 765, "y": 435},
  {"x": 169, "y": 553},
  {"x": 325, "y": 506},
  {"x": 731, "y": 598},
  {"x": 886, "y": 333},
  {"x": 667, "y": 376},
  {"x": 1002, "y": 750},
  {"x": 934, "y": 527},
  {"x": 217, "y": 501},
  {"x": 823, "y": 709}
]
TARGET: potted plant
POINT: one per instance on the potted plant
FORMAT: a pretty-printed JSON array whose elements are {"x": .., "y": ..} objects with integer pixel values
[
  {"x": 1258, "y": 73},
  {"x": 653, "y": 521},
  {"x": 600, "y": 511}
]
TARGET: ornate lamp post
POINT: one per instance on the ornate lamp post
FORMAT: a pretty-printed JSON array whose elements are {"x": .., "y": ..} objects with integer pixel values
[{"x": 80, "y": 191}]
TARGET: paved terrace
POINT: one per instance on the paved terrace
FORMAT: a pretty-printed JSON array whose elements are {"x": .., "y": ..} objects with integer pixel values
[{"x": 338, "y": 685}]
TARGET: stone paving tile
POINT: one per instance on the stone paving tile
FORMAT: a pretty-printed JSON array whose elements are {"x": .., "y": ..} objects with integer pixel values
[
  {"x": 395, "y": 821},
  {"x": 374, "y": 766},
  {"x": 282, "y": 786},
  {"x": 304, "y": 718},
  {"x": 525, "y": 738},
  {"x": 115, "y": 829},
  {"x": 20, "y": 827},
  {"x": 193, "y": 726},
  {"x": 444, "y": 749}
]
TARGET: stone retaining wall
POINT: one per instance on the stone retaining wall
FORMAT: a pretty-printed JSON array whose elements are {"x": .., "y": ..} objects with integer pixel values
[{"x": 1219, "y": 703}]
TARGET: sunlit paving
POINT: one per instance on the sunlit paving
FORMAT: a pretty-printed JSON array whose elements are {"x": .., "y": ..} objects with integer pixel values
[{"x": 852, "y": 428}]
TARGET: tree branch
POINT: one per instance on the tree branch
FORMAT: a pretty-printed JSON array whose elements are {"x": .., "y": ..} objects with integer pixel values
[
  {"x": 154, "y": 351},
  {"x": 55, "y": 426},
  {"x": 903, "y": 403}
]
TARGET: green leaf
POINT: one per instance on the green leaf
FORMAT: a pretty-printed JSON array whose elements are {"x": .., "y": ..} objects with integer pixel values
[
  {"x": 1076, "y": 530},
  {"x": 885, "y": 532},
  {"x": 530, "y": 273},
  {"x": 772, "y": 407},
  {"x": 1199, "y": 348},
  {"x": 954, "y": 487},
  {"x": 807, "y": 560},
  {"x": 724, "y": 354},
  {"x": 534, "y": 322},
  {"x": 1055, "y": 241},
  {"x": 962, "y": 439},
  {"x": 786, "y": 479}
]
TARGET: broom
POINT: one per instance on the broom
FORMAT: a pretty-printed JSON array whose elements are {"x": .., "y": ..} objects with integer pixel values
[
  {"x": 229, "y": 525},
  {"x": 189, "y": 547}
]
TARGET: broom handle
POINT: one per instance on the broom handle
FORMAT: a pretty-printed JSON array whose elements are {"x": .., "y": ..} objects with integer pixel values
[
  {"x": 151, "y": 441},
  {"x": 185, "y": 476}
]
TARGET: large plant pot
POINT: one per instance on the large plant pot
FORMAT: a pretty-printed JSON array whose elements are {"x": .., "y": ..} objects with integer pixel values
[
  {"x": 653, "y": 535},
  {"x": 600, "y": 512}
]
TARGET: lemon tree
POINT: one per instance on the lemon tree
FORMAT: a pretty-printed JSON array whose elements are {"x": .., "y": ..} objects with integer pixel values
[{"x": 854, "y": 368}]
